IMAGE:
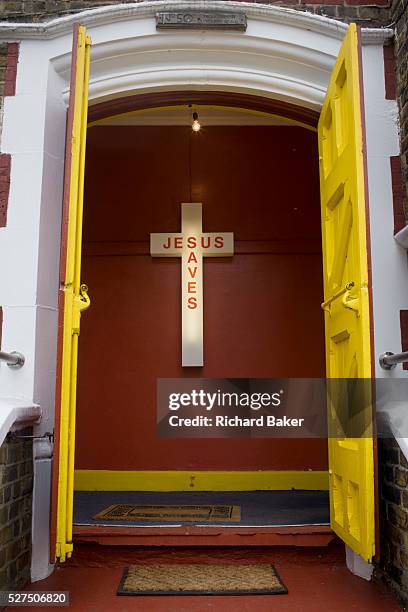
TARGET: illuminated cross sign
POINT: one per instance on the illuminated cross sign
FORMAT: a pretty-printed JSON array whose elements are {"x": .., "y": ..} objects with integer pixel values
[{"x": 192, "y": 244}]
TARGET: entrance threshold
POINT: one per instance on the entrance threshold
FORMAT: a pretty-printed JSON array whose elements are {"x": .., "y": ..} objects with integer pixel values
[{"x": 299, "y": 518}]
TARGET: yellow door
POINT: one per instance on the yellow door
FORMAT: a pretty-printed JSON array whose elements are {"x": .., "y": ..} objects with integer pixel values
[
  {"x": 73, "y": 299},
  {"x": 347, "y": 293}
]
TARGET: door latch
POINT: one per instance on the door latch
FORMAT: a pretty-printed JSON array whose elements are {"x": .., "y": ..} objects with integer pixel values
[
  {"x": 81, "y": 303},
  {"x": 326, "y": 306}
]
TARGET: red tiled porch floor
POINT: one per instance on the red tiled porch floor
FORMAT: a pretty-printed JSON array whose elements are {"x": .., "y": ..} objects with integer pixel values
[{"x": 317, "y": 579}]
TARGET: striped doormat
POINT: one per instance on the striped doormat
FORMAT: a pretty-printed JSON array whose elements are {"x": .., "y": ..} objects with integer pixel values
[{"x": 200, "y": 579}]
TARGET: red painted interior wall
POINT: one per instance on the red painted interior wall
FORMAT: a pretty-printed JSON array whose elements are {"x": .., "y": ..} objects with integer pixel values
[{"x": 262, "y": 307}]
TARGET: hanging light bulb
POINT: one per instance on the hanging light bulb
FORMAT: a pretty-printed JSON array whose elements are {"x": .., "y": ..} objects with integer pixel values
[{"x": 196, "y": 126}]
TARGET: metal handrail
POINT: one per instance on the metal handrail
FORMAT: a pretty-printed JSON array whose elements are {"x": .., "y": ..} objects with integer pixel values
[
  {"x": 389, "y": 361},
  {"x": 14, "y": 359}
]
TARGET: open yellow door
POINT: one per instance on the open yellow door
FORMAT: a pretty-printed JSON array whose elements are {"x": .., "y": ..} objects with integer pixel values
[
  {"x": 347, "y": 291},
  {"x": 73, "y": 299}
]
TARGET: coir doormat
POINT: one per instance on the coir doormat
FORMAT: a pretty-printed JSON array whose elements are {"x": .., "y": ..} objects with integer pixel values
[
  {"x": 129, "y": 512},
  {"x": 198, "y": 579}
]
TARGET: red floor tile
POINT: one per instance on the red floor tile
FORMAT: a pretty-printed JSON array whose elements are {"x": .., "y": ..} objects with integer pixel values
[{"x": 317, "y": 579}]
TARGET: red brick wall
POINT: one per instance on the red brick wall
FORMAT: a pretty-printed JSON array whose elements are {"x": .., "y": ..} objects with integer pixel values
[
  {"x": 399, "y": 18},
  {"x": 390, "y": 76},
  {"x": 398, "y": 193},
  {"x": 8, "y": 77},
  {"x": 16, "y": 483}
]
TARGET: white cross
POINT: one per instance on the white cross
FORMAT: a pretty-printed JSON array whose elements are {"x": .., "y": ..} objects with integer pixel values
[{"x": 191, "y": 245}]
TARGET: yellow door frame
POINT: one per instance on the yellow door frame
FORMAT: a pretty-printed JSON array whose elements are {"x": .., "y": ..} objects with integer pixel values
[
  {"x": 74, "y": 298},
  {"x": 352, "y": 499}
]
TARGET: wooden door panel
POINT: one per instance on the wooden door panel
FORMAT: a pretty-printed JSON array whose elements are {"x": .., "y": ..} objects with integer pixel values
[{"x": 346, "y": 289}]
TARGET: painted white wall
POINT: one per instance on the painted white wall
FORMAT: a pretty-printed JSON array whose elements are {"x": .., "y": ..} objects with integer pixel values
[
  {"x": 283, "y": 54},
  {"x": 30, "y": 246},
  {"x": 388, "y": 257}
]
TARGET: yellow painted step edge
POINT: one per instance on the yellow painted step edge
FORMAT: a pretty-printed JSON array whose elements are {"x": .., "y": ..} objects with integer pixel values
[{"x": 175, "y": 480}]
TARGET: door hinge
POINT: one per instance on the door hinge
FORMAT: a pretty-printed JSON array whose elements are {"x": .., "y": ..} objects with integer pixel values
[{"x": 352, "y": 303}]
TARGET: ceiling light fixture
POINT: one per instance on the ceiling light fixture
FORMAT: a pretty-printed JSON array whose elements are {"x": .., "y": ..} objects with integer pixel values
[{"x": 196, "y": 126}]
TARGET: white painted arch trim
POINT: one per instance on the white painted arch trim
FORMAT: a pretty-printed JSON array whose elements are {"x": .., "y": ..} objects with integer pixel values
[
  {"x": 284, "y": 54},
  {"x": 109, "y": 14}
]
